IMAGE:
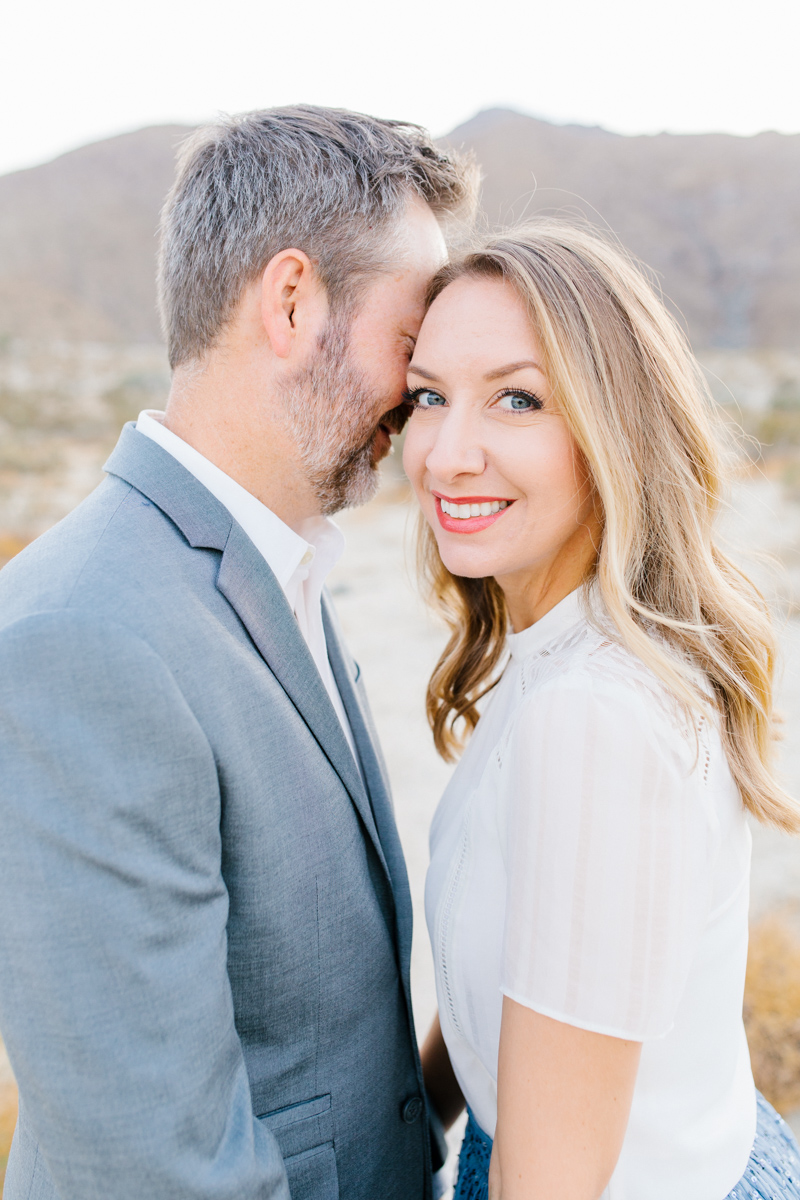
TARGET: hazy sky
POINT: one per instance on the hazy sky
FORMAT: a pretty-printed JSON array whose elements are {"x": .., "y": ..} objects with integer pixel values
[{"x": 72, "y": 71}]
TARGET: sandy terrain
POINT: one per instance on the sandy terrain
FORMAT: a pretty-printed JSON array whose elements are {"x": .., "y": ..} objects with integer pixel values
[{"x": 396, "y": 642}]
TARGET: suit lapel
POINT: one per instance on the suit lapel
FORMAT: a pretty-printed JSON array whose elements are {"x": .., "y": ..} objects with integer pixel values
[
  {"x": 253, "y": 592},
  {"x": 375, "y": 774}
]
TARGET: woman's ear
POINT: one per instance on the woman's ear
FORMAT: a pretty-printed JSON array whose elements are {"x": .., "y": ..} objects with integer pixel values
[{"x": 294, "y": 305}]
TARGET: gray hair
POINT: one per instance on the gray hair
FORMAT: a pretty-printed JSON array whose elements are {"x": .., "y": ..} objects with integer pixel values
[{"x": 322, "y": 180}]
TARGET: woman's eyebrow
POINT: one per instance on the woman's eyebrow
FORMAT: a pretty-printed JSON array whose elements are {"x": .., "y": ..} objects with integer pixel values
[
  {"x": 510, "y": 369},
  {"x": 415, "y": 370},
  {"x": 498, "y": 373}
]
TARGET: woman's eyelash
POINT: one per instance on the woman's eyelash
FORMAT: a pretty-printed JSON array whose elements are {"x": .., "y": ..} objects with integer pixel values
[
  {"x": 412, "y": 394},
  {"x": 537, "y": 403}
]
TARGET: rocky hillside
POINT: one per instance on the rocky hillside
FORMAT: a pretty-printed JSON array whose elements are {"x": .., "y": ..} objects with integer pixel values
[
  {"x": 78, "y": 236},
  {"x": 716, "y": 216}
]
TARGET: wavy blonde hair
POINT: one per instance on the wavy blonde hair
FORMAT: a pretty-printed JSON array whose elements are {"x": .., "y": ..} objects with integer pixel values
[{"x": 636, "y": 403}]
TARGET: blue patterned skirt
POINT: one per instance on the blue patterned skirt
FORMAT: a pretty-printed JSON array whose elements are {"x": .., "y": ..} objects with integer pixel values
[{"x": 773, "y": 1172}]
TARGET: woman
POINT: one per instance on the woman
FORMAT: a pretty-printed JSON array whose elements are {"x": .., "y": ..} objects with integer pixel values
[{"x": 588, "y": 890}]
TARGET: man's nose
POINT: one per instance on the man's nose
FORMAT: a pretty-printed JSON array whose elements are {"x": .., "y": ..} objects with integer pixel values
[{"x": 457, "y": 449}]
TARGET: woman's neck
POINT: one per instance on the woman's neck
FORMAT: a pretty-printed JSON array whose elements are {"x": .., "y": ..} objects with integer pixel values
[{"x": 532, "y": 593}]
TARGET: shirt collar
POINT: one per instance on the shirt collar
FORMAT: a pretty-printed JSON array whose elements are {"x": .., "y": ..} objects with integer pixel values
[
  {"x": 325, "y": 542},
  {"x": 291, "y": 556},
  {"x": 564, "y": 616}
]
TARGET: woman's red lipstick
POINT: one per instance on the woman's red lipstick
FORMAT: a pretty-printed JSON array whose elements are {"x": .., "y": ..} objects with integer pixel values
[{"x": 470, "y": 524}]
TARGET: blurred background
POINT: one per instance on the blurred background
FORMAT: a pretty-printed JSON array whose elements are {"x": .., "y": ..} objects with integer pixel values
[{"x": 675, "y": 126}]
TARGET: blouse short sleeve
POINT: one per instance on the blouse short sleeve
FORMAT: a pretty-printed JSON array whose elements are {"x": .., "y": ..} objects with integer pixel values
[{"x": 609, "y": 852}]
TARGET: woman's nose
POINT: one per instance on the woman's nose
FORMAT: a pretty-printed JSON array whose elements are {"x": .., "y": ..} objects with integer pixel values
[{"x": 457, "y": 449}]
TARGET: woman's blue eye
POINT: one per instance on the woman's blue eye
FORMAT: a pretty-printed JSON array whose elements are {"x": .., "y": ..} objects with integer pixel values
[
  {"x": 519, "y": 402},
  {"x": 424, "y": 398}
]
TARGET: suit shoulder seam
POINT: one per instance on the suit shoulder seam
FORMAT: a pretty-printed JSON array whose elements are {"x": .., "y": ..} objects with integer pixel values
[{"x": 93, "y": 551}]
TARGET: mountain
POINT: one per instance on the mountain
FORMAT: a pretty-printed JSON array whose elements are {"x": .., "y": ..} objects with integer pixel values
[
  {"x": 78, "y": 238},
  {"x": 717, "y": 217}
]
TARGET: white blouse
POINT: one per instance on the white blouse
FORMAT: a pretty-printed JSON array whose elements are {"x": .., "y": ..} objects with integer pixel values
[{"x": 590, "y": 859}]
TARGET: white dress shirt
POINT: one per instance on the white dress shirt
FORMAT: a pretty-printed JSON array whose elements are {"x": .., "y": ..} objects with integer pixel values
[
  {"x": 301, "y": 562},
  {"x": 590, "y": 859}
]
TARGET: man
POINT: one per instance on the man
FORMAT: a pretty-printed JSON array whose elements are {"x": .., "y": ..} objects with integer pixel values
[{"x": 206, "y": 924}]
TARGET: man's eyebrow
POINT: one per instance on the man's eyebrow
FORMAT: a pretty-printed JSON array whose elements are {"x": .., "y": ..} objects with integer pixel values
[
  {"x": 415, "y": 370},
  {"x": 510, "y": 368}
]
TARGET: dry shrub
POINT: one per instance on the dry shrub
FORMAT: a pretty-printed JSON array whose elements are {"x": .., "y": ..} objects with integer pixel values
[
  {"x": 772, "y": 1011},
  {"x": 8, "y": 1119},
  {"x": 10, "y": 545}
]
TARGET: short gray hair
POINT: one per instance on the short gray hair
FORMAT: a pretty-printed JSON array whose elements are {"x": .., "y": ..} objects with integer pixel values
[{"x": 323, "y": 180}]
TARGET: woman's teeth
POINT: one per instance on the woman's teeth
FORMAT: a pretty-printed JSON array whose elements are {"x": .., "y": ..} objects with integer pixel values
[{"x": 462, "y": 511}]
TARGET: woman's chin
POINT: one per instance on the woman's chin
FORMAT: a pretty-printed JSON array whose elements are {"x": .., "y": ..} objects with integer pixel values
[{"x": 466, "y": 566}]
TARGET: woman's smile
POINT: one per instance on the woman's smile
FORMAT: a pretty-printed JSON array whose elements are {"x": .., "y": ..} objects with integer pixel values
[{"x": 468, "y": 514}]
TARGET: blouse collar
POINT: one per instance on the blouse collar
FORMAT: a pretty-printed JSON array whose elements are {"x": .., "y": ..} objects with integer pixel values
[{"x": 569, "y": 612}]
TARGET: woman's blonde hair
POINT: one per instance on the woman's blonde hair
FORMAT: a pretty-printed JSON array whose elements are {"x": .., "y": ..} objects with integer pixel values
[{"x": 638, "y": 408}]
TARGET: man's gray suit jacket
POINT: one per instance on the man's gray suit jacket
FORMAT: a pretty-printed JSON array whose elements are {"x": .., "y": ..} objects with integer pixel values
[{"x": 205, "y": 928}]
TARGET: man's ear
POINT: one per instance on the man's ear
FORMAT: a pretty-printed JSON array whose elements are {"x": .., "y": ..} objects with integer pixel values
[{"x": 294, "y": 305}]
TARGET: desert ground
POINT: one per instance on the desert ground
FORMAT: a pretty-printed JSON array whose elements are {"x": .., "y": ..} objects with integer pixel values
[{"x": 58, "y": 418}]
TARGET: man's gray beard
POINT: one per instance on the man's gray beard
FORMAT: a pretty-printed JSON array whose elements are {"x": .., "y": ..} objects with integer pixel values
[{"x": 325, "y": 404}]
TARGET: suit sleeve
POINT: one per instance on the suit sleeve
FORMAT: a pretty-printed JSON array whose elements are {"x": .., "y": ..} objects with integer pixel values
[{"x": 115, "y": 1003}]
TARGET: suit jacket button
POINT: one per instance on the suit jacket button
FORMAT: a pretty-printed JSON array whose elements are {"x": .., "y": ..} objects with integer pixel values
[{"x": 412, "y": 1110}]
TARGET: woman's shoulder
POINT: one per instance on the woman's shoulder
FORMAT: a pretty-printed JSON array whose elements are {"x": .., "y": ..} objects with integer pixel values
[
  {"x": 590, "y": 671},
  {"x": 598, "y": 728},
  {"x": 592, "y": 656}
]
